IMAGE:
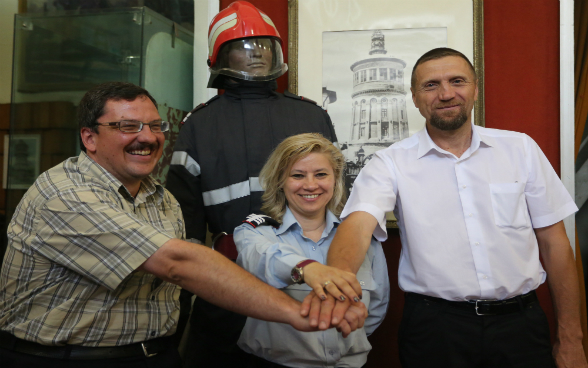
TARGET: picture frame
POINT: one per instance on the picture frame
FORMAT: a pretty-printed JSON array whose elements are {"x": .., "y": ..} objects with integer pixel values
[
  {"x": 24, "y": 161},
  {"x": 310, "y": 20}
]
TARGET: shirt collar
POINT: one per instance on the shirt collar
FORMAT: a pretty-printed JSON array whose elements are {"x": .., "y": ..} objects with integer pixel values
[
  {"x": 149, "y": 186},
  {"x": 487, "y": 140},
  {"x": 289, "y": 220},
  {"x": 426, "y": 144}
]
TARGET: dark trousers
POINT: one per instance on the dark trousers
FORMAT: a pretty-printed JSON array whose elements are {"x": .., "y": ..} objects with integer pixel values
[
  {"x": 212, "y": 342},
  {"x": 257, "y": 362},
  {"x": 438, "y": 335},
  {"x": 166, "y": 359}
]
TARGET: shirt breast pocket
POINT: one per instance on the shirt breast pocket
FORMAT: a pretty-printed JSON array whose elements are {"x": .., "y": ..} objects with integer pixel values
[
  {"x": 509, "y": 205},
  {"x": 368, "y": 284}
]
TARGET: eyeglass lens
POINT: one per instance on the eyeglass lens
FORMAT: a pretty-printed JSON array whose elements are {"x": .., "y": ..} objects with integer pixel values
[{"x": 133, "y": 126}]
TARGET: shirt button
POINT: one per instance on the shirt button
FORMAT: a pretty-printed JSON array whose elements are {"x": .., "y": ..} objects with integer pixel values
[
  {"x": 362, "y": 283},
  {"x": 152, "y": 333},
  {"x": 477, "y": 243},
  {"x": 331, "y": 352},
  {"x": 484, "y": 277},
  {"x": 471, "y": 214},
  {"x": 313, "y": 248},
  {"x": 464, "y": 186}
]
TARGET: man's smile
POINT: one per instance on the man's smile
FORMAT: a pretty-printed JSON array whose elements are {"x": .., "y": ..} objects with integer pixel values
[
  {"x": 448, "y": 107},
  {"x": 146, "y": 152}
]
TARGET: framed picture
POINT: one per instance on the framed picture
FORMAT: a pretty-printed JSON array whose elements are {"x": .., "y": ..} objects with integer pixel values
[
  {"x": 24, "y": 160},
  {"x": 356, "y": 57}
]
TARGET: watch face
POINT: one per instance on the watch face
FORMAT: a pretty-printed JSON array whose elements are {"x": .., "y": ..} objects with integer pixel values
[{"x": 296, "y": 276}]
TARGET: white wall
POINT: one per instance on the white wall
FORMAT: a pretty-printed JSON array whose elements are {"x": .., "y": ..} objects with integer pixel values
[
  {"x": 567, "y": 120},
  {"x": 7, "y": 10},
  {"x": 204, "y": 11}
]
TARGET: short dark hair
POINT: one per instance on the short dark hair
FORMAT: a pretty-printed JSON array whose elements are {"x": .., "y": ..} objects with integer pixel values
[
  {"x": 438, "y": 53},
  {"x": 91, "y": 106}
]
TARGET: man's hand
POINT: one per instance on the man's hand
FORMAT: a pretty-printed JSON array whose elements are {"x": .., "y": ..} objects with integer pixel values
[
  {"x": 336, "y": 282},
  {"x": 300, "y": 322},
  {"x": 569, "y": 355},
  {"x": 346, "y": 316}
]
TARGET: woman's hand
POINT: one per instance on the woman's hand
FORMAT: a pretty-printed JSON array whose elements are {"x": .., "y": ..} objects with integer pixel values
[{"x": 340, "y": 284}]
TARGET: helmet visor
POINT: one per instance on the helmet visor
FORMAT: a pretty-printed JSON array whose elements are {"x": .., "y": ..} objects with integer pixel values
[{"x": 255, "y": 59}]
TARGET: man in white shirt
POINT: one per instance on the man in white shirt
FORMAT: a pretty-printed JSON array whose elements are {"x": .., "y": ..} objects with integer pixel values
[{"x": 475, "y": 208}]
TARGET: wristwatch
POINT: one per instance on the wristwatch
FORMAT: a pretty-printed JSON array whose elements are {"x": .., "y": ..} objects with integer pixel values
[{"x": 297, "y": 273}]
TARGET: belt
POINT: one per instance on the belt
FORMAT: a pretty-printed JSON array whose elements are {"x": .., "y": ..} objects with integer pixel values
[
  {"x": 484, "y": 307},
  {"x": 225, "y": 245},
  {"x": 76, "y": 352}
]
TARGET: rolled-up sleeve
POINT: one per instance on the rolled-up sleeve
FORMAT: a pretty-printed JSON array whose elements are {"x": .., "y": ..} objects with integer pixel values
[
  {"x": 380, "y": 296},
  {"x": 265, "y": 256}
]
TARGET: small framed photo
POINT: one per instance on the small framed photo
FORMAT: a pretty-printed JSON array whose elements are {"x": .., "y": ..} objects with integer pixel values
[{"x": 22, "y": 156}]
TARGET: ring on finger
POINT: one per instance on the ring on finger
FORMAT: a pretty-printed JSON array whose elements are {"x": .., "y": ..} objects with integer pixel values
[{"x": 327, "y": 283}]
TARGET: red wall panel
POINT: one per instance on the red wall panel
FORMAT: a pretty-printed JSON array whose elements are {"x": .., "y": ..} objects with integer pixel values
[
  {"x": 522, "y": 70},
  {"x": 522, "y": 79}
]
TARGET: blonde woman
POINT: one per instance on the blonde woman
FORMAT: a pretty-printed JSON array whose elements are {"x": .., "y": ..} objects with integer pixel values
[{"x": 304, "y": 193}]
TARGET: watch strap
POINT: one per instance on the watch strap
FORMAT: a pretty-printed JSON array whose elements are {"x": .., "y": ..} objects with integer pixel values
[
  {"x": 306, "y": 262},
  {"x": 297, "y": 273}
]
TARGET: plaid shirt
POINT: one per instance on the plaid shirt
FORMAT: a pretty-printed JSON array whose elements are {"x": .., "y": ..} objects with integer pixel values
[{"x": 74, "y": 244}]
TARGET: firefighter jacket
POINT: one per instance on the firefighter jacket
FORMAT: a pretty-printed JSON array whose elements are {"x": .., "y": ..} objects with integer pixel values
[{"x": 223, "y": 145}]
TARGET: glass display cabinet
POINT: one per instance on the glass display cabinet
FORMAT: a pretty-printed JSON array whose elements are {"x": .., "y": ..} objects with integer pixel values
[{"x": 58, "y": 57}]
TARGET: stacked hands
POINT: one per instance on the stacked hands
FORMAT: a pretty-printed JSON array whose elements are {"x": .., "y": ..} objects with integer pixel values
[{"x": 335, "y": 300}]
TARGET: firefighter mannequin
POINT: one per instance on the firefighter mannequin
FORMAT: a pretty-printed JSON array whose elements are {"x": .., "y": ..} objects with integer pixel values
[{"x": 220, "y": 150}]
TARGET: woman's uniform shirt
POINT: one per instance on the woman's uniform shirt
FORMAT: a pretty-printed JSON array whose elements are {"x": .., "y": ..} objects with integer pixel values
[{"x": 270, "y": 254}]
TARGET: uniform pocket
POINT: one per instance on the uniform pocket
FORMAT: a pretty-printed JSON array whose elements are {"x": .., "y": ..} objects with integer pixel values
[
  {"x": 509, "y": 205},
  {"x": 367, "y": 282}
]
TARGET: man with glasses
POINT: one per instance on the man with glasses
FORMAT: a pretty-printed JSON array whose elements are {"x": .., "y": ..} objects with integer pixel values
[{"x": 94, "y": 252}]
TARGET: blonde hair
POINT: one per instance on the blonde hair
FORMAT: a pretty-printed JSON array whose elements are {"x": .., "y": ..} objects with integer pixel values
[{"x": 274, "y": 173}]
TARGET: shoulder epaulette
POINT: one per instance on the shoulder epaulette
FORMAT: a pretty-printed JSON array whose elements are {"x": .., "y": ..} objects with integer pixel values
[
  {"x": 202, "y": 105},
  {"x": 256, "y": 220},
  {"x": 301, "y": 98}
]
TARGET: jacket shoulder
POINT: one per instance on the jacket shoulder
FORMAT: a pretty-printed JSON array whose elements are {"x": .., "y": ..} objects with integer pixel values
[
  {"x": 199, "y": 107},
  {"x": 256, "y": 220},
  {"x": 300, "y": 98}
]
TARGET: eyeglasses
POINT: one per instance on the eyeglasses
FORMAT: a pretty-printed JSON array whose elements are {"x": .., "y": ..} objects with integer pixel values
[{"x": 134, "y": 126}]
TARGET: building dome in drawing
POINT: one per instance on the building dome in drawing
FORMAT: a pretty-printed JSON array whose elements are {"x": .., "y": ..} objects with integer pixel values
[{"x": 379, "y": 115}]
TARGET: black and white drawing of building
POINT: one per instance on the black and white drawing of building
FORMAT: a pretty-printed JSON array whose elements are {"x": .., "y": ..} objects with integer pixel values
[{"x": 379, "y": 116}]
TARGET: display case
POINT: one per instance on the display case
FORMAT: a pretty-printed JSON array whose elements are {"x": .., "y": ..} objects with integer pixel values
[{"x": 58, "y": 57}]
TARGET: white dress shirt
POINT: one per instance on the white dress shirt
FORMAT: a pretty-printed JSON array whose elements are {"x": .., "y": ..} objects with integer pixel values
[
  {"x": 466, "y": 224},
  {"x": 270, "y": 254}
]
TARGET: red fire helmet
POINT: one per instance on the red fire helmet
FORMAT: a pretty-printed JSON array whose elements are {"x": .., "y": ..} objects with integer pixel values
[{"x": 241, "y": 21}]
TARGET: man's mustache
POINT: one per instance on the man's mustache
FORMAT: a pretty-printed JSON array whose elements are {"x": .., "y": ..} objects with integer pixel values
[
  {"x": 143, "y": 147},
  {"x": 448, "y": 105}
]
